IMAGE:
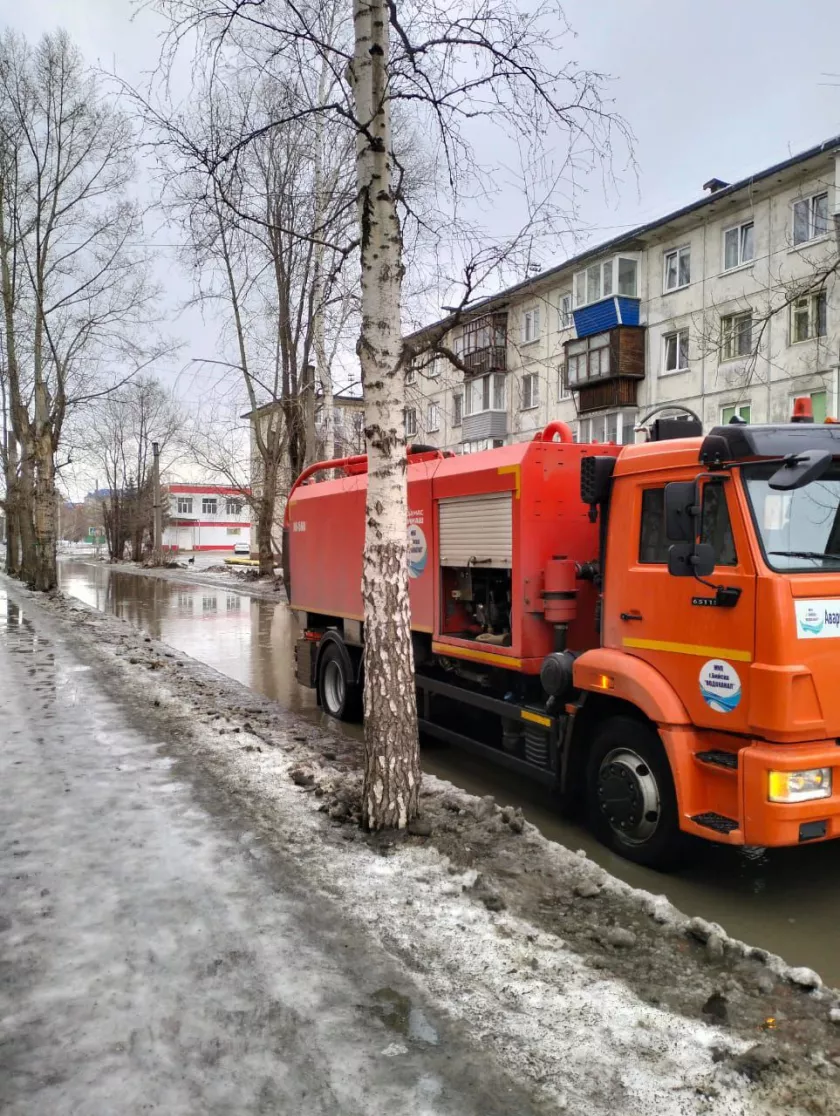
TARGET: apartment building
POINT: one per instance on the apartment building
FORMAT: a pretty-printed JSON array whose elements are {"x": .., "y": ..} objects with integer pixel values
[
  {"x": 205, "y": 517},
  {"x": 724, "y": 306}
]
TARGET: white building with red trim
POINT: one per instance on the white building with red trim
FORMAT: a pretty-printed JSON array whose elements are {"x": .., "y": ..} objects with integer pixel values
[{"x": 206, "y": 517}]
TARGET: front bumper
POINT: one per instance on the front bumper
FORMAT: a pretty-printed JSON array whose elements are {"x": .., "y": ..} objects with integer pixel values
[{"x": 781, "y": 823}]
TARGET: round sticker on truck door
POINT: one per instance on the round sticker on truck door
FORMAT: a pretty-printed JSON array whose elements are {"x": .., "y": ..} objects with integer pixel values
[
  {"x": 418, "y": 551},
  {"x": 720, "y": 686}
]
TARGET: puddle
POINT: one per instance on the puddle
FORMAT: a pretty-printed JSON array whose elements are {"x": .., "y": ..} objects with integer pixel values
[{"x": 399, "y": 1015}]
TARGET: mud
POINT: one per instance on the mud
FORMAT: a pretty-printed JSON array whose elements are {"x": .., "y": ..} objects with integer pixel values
[{"x": 504, "y": 864}]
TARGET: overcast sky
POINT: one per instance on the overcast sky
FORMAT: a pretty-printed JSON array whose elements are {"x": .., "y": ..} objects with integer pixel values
[{"x": 720, "y": 88}]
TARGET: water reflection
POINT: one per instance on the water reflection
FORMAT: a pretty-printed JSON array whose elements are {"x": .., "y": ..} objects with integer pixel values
[{"x": 786, "y": 900}]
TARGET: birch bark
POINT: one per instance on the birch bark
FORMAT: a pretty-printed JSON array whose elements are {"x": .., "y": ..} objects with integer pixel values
[{"x": 392, "y": 768}]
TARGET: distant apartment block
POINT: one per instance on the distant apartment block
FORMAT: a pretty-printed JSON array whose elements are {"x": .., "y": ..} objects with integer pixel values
[
  {"x": 696, "y": 308},
  {"x": 205, "y": 517}
]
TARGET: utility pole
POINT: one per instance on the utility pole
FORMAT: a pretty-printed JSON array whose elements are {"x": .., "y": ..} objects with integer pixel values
[{"x": 158, "y": 509}]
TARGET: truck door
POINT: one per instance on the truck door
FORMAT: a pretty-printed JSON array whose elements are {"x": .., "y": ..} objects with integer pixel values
[{"x": 678, "y": 624}]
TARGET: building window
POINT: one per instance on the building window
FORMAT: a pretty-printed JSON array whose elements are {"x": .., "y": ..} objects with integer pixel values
[
  {"x": 411, "y": 421},
  {"x": 530, "y": 391},
  {"x": 677, "y": 269},
  {"x": 600, "y": 280},
  {"x": 185, "y": 505},
  {"x": 738, "y": 245},
  {"x": 627, "y": 270},
  {"x": 411, "y": 374},
  {"x": 433, "y": 416},
  {"x": 808, "y": 317},
  {"x": 588, "y": 359},
  {"x": 819, "y": 403},
  {"x": 433, "y": 369},
  {"x": 530, "y": 325},
  {"x": 564, "y": 312},
  {"x": 486, "y": 393},
  {"x": 234, "y": 530},
  {"x": 614, "y": 426},
  {"x": 810, "y": 218},
  {"x": 736, "y": 335},
  {"x": 735, "y": 410},
  {"x": 209, "y": 505},
  {"x": 457, "y": 409},
  {"x": 234, "y": 507},
  {"x": 563, "y": 391},
  {"x": 676, "y": 351}
]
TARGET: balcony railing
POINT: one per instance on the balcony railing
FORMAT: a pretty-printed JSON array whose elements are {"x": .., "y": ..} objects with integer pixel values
[{"x": 492, "y": 358}]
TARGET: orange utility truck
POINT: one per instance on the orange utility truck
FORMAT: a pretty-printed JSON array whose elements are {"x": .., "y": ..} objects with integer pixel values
[{"x": 653, "y": 628}]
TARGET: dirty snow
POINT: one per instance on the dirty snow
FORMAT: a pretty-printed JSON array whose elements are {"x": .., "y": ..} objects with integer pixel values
[{"x": 582, "y": 1042}]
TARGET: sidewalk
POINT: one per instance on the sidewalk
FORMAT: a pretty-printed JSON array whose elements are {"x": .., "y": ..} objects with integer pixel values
[
  {"x": 191, "y": 923},
  {"x": 151, "y": 962}
]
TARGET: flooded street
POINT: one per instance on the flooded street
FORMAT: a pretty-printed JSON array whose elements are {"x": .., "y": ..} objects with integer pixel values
[{"x": 787, "y": 901}]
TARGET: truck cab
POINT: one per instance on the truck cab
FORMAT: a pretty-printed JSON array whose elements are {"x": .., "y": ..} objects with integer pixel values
[{"x": 720, "y": 642}]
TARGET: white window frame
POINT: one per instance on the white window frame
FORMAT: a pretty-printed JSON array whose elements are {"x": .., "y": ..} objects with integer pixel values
[
  {"x": 233, "y": 506},
  {"x": 530, "y": 325},
  {"x": 812, "y": 302},
  {"x": 677, "y": 254},
  {"x": 625, "y": 426},
  {"x": 530, "y": 391},
  {"x": 496, "y": 388},
  {"x": 813, "y": 233},
  {"x": 433, "y": 416},
  {"x": 742, "y": 259},
  {"x": 565, "y": 319},
  {"x": 206, "y": 501},
  {"x": 185, "y": 505},
  {"x": 608, "y": 272},
  {"x": 736, "y": 407},
  {"x": 676, "y": 334},
  {"x": 433, "y": 369},
  {"x": 727, "y": 337},
  {"x": 458, "y": 408},
  {"x": 410, "y": 426}
]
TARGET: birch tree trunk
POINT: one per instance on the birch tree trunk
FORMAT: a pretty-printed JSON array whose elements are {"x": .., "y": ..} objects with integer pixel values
[{"x": 392, "y": 767}]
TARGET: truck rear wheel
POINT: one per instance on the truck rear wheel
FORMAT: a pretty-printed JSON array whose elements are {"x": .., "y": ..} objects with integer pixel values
[
  {"x": 340, "y": 696},
  {"x": 632, "y": 804}
]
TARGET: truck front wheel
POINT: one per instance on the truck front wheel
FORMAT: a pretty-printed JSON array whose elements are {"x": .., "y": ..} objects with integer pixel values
[
  {"x": 340, "y": 696},
  {"x": 632, "y": 804}
]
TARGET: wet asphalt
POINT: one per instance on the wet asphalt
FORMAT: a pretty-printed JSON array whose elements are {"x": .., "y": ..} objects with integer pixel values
[{"x": 150, "y": 964}]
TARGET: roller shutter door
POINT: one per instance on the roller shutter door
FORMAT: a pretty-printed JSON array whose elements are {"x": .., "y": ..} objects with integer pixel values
[{"x": 476, "y": 530}]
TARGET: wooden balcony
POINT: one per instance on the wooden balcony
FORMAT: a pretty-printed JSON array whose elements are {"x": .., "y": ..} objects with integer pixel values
[{"x": 605, "y": 368}]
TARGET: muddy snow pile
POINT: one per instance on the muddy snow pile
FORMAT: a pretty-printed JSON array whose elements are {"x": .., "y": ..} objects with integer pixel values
[{"x": 600, "y": 997}]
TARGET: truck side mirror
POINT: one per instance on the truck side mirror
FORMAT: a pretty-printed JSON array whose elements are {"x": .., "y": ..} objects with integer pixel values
[
  {"x": 690, "y": 559},
  {"x": 682, "y": 511},
  {"x": 800, "y": 469}
]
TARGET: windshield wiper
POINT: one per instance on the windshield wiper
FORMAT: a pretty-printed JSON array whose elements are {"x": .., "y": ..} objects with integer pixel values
[{"x": 806, "y": 554}]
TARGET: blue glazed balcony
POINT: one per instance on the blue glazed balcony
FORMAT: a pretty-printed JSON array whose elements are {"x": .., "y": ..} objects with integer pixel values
[{"x": 617, "y": 310}]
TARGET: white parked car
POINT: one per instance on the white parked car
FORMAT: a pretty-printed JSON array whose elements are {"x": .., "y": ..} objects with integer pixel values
[{"x": 242, "y": 549}]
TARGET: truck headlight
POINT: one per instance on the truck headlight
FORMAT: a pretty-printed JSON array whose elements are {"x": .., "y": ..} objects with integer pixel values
[{"x": 799, "y": 786}]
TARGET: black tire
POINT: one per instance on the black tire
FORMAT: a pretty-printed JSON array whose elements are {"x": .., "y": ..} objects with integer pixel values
[
  {"x": 630, "y": 796},
  {"x": 340, "y": 695}
]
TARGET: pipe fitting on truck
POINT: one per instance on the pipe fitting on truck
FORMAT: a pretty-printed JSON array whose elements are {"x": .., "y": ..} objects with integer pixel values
[{"x": 556, "y": 428}]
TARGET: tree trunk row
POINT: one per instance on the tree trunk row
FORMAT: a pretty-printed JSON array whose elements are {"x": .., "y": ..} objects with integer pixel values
[{"x": 31, "y": 521}]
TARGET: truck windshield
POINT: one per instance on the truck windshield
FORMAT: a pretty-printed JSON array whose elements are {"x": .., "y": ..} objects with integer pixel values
[{"x": 799, "y": 530}]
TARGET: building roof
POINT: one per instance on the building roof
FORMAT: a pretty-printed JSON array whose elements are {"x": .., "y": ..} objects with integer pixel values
[
  {"x": 342, "y": 397},
  {"x": 626, "y": 239},
  {"x": 206, "y": 489}
]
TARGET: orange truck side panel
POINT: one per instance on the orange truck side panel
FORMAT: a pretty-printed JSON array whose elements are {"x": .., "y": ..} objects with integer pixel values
[{"x": 326, "y": 541}]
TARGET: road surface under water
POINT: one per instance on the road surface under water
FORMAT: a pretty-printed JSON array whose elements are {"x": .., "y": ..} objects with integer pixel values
[{"x": 785, "y": 900}]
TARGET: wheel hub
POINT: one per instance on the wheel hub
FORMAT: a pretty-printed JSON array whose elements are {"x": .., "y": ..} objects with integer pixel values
[
  {"x": 628, "y": 795},
  {"x": 333, "y": 686}
]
